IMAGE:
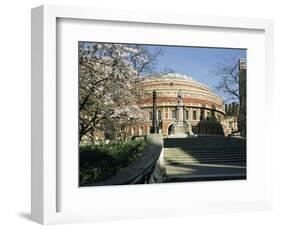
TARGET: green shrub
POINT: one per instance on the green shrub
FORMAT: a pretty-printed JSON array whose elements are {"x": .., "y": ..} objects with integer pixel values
[{"x": 99, "y": 162}]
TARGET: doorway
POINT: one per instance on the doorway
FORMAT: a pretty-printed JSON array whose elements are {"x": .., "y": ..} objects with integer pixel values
[{"x": 171, "y": 129}]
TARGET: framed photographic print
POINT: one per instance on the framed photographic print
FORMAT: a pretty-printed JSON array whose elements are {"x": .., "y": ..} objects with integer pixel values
[{"x": 137, "y": 114}]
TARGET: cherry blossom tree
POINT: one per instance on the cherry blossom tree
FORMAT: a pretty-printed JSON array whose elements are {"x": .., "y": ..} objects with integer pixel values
[{"x": 109, "y": 75}]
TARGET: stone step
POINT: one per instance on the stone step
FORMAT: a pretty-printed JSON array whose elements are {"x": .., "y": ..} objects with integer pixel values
[
  {"x": 210, "y": 137},
  {"x": 205, "y": 139},
  {"x": 174, "y": 145},
  {"x": 204, "y": 147},
  {"x": 205, "y": 177},
  {"x": 213, "y": 161},
  {"x": 200, "y": 144},
  {"x": 210, "y": 159},
  {"x": 188, "y": 145},
  {"x": 202, "y": 154},
  {"x": 186, "y": 154},
  {"x": 203, "y": 144},
  {"x": 221, "y": 151},
  {"x": 205, "y": 160},
  {"x": 179, "y": 151},
  {"x": 204, "y": 157}
]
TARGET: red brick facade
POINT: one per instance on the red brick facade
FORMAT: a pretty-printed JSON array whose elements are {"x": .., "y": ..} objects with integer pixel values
[{"x": 203, "y": 110}]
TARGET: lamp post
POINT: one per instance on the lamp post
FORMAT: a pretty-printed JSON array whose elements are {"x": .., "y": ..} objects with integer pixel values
[{"x": 154, "y": 113}]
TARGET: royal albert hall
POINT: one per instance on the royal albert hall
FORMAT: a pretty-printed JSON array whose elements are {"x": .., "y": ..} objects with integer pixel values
[{"x": 182, "y": 104}]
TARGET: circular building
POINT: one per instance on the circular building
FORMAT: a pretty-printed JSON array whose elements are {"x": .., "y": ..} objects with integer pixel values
[{"x": 183, "y": 106}]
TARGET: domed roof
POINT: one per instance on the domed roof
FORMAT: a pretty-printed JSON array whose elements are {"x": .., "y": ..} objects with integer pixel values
[
  {"x": 172, "y": 76},
  {"x": 169, "y": 85},
  {"x": 176, "y": 78}
]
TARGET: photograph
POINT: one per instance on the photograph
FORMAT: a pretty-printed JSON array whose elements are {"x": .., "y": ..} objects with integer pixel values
[{"x": 151, "y": 114}]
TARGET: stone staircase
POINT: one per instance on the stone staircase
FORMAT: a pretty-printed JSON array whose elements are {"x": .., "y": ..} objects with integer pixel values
[{"x": 204, "y": 158}]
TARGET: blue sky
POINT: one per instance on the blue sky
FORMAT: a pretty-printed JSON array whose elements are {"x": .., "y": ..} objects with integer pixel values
[{"x": 197, "y": 62}]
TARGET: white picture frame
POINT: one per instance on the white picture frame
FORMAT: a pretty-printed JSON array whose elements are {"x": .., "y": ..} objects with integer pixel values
[{"x": 45, "y": 167}]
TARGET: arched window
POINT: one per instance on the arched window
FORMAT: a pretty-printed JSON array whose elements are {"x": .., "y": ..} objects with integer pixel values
[
  {"x": 186, "y": 114},
  {"x": 208, "y": 116},
  {"x": 150, "y": 115},
  {"x": 194, "y": 115},
  {"x": 174, "y": 114},
  {"x": 159, "y": 115},
  {"x": 133, "y": 131},
  {"x": 201, "y": 115},
  {"x": 141, "y": 131},
  {"x": 213, "y": 112}
]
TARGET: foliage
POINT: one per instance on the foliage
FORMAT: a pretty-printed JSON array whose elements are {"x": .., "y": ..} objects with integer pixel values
[
  {"x": 108, "y": 78},
  {"x": 99, "y": 162}
]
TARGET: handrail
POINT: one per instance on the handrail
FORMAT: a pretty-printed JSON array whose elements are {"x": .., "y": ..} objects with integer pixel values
[{"x": 141, "y": 170}]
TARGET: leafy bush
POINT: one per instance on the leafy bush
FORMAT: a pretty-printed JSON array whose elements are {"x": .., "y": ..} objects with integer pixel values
[{"x": 99, "y": 162}]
